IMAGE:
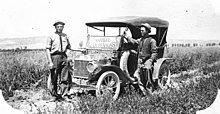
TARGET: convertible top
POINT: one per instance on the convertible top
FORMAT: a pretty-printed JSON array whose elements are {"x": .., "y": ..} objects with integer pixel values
[{"x": 130, "y": 21}]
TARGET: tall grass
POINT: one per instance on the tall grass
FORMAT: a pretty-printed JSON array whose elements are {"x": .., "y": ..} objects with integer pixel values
[
  {"x": 188, "y": 58},
  {"x": 20, "y": 70},
  {"x": 188, "y": 100}
]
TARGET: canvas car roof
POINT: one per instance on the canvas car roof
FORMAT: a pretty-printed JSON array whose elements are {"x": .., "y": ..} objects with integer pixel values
[{"x": 130, "y": 20}]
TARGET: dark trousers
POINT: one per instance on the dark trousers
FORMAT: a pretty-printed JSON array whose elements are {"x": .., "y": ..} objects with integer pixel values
[
  {"x": 58, "y": 80},
  {"x": 143, "y": 75}
]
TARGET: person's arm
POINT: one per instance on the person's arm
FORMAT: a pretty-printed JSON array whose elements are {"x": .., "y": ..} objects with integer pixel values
[
  {"x": 132, "y": 40},
  {"x": 153, "y": 50},
  {"x": 68, "y": 48},
  {"x": 48, "y": 48},
  {"x": 148, "y": 63},
  {"x": 48, "y": 56}
]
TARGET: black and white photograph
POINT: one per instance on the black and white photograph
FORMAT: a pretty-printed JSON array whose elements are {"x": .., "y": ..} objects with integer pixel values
[{"x": 110, "y": 57}]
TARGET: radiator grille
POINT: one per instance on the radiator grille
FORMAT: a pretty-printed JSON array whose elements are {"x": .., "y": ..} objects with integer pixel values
[{"x": 80, "y": 68}]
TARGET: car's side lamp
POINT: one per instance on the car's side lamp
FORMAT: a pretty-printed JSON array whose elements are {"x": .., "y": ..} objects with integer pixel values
[{"x": 91, "y": 66}]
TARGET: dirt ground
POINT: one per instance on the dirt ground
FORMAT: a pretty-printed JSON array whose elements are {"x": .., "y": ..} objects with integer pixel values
[{"x": 33, "y": 100}]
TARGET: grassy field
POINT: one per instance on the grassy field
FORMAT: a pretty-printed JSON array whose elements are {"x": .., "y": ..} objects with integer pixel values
[{"x": 27, "y": 70}]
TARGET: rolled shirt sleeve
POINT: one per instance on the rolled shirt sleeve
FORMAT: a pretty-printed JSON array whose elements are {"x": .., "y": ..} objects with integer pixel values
[{"x": 54, "y": 43}]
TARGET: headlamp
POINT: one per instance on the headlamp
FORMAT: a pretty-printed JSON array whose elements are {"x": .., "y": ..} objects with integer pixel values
[{"x": 91, "y": 66}]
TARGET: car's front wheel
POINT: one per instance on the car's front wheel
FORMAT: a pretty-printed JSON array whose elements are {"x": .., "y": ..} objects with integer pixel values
[{"x": 108, "y": 85}]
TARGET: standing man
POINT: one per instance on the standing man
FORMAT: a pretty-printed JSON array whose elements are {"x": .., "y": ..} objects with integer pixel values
[
  {"x": 147, "y": 53},
  {"x": 57, "y": 49}
]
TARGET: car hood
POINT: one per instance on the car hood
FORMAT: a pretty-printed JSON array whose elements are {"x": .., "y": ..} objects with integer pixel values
[{"x": 99, "y": 58}]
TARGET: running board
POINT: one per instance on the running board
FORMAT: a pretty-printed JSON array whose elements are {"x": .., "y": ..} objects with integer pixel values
[{"x": 82, "y": 87}]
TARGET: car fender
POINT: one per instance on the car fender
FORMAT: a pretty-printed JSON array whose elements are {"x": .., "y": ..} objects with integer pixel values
[
  {"x": 157, "y": 66},
  {"x": 122, "y": 76}
]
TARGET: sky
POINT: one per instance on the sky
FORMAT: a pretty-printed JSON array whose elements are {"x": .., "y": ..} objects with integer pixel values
[{"x": 189, "y": 19}]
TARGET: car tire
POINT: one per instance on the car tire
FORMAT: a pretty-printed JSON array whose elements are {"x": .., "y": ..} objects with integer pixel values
[
  {"x": 164, "y": 76},
  {"x": 108, "y": 85}
]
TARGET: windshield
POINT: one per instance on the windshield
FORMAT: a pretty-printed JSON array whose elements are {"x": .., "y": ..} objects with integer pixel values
[
  {"x": 105, "y": 38},
  {"x": 106, "y": 31},
  {"x": 108, "y": 38}
]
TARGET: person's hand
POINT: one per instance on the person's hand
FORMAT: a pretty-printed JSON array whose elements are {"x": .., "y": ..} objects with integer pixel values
[
  {"x": 125, "y": 33},
  {"x": 133, "y": 51},
  {"x": 83, "y": 50},
  {"x": 51, "y": 65},
  {"x": 68, "y": 59},
  {"x": 140, "y": 61},
  {"x": 140, "y": 65},
  {"x": 148, "y": 64}
]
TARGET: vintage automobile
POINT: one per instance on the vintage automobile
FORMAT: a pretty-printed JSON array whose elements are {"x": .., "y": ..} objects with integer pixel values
[{"x": 108, "y": 61}]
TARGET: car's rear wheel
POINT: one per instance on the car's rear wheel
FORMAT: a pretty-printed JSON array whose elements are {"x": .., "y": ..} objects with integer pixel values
[
  {"x": 164, "y": 76},
  {"x": 108, "y": 85}
]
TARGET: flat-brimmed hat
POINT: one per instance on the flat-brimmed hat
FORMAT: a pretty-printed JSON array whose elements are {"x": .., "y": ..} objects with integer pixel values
[{"x": 58, "y": 22}]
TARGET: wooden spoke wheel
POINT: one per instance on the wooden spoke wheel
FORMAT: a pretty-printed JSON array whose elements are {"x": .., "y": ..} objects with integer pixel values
[{"x": 108, "y": 84}]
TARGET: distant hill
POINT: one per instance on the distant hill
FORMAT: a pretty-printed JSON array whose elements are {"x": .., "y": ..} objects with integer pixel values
[
  {"x": 40, "y": 41},
  {"x": 191, "y": 42},
  {"x": 28, "y": 42}
]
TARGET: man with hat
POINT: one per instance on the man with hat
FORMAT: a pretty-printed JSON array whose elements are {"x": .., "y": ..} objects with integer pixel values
[
  {"x": 147, "y": 53},
  {"x": 57, "y": 49}
]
